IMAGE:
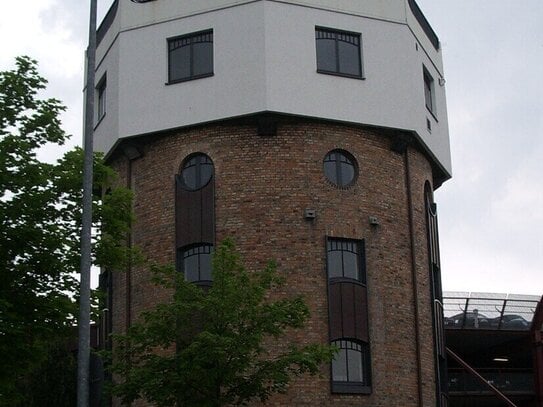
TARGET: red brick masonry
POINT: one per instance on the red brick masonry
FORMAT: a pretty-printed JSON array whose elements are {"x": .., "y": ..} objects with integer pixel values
[{"x": 263, "y": 185}]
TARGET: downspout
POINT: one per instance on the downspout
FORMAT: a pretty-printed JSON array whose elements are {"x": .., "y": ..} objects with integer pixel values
[
  {"x": 413, "y": 272},
  {"x": 132, "y": 153},
  {"x": 128, "y": 282}
]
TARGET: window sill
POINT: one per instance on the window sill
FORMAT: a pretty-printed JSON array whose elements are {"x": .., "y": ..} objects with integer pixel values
[
  {"x": 191, "y": 78},
  {"x": 337, "y": 280},
  {"x": 433, "y": 114},
  {"x": 350, "y": 388},
  {"x": 100, "y": 120},
  {"x": 344, "y": 75}
]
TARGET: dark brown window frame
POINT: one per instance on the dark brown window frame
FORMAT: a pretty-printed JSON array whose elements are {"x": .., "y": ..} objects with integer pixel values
[
  {"x": 340, "y": 183},
  {"x": 336, "y": 33},
  {"x": 101, "y": 99},
  {"x": 359, "y": 244},
  {"x": 429, "y": 92},
  {"x": 354, "y": 387},
  {"x": 190, "y": 38},
  {"x": 207, "y": 249},
  {"x": 346, "y": 387},
  {"x": 202, "y": 159}
]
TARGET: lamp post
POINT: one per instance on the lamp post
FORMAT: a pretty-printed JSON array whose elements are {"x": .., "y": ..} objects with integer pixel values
[{"x": 83, "y": 355}]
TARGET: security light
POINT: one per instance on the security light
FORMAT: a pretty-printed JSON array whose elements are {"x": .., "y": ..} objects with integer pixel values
[{"x": 501, "y": 359}]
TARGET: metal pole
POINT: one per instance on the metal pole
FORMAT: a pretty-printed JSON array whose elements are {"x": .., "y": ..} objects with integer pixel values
[{"x": 83, "y": 355}]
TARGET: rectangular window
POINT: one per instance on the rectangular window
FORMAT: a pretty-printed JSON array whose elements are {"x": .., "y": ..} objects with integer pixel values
[
  {"x": 190, "y": 56},
  {"x": 101, "y": 98},
  {"x": 338, "y": 52},
  {"x": 429, "y": 95}
]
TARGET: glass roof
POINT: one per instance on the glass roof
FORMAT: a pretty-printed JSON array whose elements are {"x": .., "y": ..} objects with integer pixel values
[{"x": 464, "y": 310}]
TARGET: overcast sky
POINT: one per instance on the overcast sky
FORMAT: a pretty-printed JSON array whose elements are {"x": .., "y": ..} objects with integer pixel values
[{"x": 490, "y": 212}]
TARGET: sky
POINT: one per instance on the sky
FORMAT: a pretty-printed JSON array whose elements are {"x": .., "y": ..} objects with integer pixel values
[{"x": 490, "y": 212}]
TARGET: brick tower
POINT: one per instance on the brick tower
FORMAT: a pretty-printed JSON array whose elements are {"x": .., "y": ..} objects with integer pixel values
[{"x": 313, "y": 132}]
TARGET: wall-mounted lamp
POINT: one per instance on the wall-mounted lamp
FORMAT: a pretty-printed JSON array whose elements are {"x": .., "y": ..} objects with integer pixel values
[{"x": 310, "y": 214}]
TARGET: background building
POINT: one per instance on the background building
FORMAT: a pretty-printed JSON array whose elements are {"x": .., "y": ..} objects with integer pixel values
[
  {"x": 500, "y": 337},
  {"x": 313, "y": 132}
]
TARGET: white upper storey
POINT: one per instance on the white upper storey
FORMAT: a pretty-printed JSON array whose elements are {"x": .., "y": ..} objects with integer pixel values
[{"x": 264, "y": 60}]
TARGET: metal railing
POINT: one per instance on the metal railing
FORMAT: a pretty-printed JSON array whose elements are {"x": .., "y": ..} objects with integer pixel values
[{"x": 489, "y": 311}]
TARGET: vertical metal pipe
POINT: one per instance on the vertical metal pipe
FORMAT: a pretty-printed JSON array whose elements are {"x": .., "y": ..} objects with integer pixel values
[
  {"x": 128, "y": 297},
  {"x": 83, "y": 355},
  {"x": 413, "y": 273}
]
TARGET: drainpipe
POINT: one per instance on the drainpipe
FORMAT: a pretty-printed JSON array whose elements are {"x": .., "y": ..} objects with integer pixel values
[
  {"x": 413, "y": 272},
  {"x": 128, "y": 282},
  {"x": 131, "y": 153}
]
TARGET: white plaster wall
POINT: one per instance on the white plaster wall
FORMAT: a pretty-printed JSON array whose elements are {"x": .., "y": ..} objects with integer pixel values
[
  {"x": 134, "y": 15},
  {"x": 106, "y": 132},
  {"x": 265, "y": 60},
  {"x": 428, "y": 48},
  {"x": 147, "y": 104},
  {"x": 391, "y": 95}
]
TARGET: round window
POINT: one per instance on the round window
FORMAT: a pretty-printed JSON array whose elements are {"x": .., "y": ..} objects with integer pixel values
[
  {"x": 340, "y": 168},
  {"x": 197, "y": 171}
]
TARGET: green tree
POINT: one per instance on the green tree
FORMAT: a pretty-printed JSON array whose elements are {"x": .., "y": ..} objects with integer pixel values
[
  {"x": 39, "y": 231},
  {"x": 212, "y": 347}
]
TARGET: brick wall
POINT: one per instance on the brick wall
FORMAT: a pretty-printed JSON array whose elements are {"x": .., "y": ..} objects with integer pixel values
[{"x": 263, "y": 185}]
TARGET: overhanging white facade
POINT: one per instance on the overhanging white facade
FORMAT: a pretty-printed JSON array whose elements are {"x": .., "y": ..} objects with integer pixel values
[{"x": 264, "y": 60}]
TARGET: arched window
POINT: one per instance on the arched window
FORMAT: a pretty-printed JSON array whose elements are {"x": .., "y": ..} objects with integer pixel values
[
  {"x": 340, "y": 168},
  {"x": 195, "y": 262},
  {"x": 350, "y": 366},
  {"x": 348, "y": 315},
  {"x": 343, "y": 258},
  {"x": 436, "y": 294},
  {"x": 197, "y": 171},
  {"x": 338, "y": 52},
  {"x": 190, "y": 56}
]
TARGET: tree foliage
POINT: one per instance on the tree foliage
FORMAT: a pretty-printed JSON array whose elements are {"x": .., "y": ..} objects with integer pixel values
[
  {"x": 40, "y": 227},
  {"x": 225, "y": 345}
]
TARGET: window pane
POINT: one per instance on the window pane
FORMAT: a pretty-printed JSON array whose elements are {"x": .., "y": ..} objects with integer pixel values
[
  {"x": 326, "y": 55},
  {"x": 197, "y": 171},
  {"x": 190, "y": 267},
  {"x": 202, "y": 53},
  {"x": 180, "y": 63},
  {"x": 428, "y": 93},
  {"x": 101, "y": 100},
  {"x": 334, "y": 264},
  {"x": 189, "y": 176},
  {"x": 330, "y": 171},
  {"x": 205, "y": 266},
  {"x": 347, "y": 173},
  {"x": 340, "y": 168},
  {"x": 350, "y": 265},
  {"x": 339, "y": 366},
  {"x": 206, "y": 171},
  {"x": 354, "y": 361},
  {"x": 349, "y": 58}
]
